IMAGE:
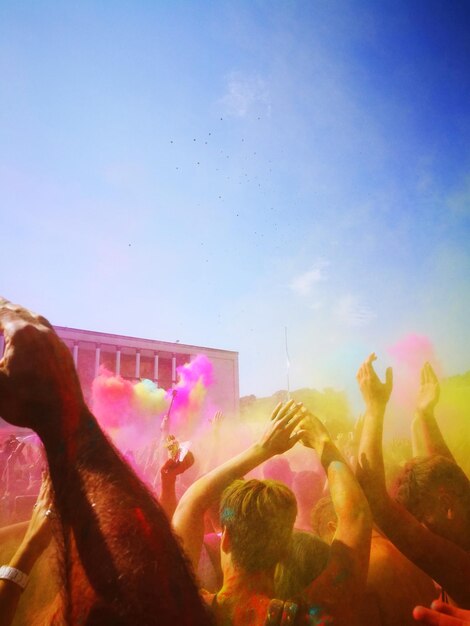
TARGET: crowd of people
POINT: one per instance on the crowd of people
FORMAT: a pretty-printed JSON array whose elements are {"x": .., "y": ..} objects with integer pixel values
[{"x": 328, "y": 544}]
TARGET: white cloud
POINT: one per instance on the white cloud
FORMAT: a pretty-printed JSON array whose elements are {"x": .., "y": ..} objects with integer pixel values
[
  {"x": 243, "y": 93},
  {"x": 351, "y": 312},
  {"x": 303, "y": 284}
]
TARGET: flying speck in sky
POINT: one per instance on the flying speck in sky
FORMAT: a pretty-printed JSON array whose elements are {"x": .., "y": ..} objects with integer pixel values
[{"x": 305, "y": 154}]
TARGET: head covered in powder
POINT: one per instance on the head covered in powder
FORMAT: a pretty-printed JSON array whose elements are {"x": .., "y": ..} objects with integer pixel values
[
  {"x": 324, "y": 519},
  {"x": 437, "y": 492},
  {"x": 259, "y": 517}
]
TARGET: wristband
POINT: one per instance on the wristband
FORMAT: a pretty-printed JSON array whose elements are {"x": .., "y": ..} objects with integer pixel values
[{"x": 15, "y": 575}]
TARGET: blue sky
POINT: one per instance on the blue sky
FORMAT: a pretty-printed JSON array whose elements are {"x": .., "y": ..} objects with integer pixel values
[{"x": 215, "y": 171}]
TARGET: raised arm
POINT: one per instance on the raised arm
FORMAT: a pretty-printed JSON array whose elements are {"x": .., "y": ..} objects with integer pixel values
[
  {"x": 14, "y": 575},
  {"x": 169, "y": 472},
  {"x": 443, "y": 560},
  {"x": 340, "y": 587},
  {"x": 426, "y": 435},
  {"x": 188, "y": 520},
  {"x": 122, "y": 564}
]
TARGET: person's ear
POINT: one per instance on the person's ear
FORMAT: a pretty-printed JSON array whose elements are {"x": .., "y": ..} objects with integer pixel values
[
  {"x": 331, "y": 527},
  {"x": 446, "y": 503},
  {"x": 225, "y": 541}
]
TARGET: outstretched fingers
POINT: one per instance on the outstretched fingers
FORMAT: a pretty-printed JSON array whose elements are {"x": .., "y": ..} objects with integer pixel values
[
  {"x": 282, "y": 410},
  {"x": 366, "y": 370},
  {"x": 369, "y": 368},
  {"x": 277, "y": 410},
  {"x": 290, "y": 428},
  {"x": 362, "y": 372},
  {"x": 423, "y": 374},
  {"x": 292, "y": 419},
  {"x": 432, "y": 374}
]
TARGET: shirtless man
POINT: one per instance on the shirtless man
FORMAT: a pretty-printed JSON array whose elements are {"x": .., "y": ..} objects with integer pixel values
[
  {"x": 439, "y": 541},
  {"x": 394, "y": 584},
  {"x": 258, "y": 517}
]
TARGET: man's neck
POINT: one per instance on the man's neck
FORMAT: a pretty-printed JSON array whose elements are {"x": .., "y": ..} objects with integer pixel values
[{"x": 238, "y": 583}]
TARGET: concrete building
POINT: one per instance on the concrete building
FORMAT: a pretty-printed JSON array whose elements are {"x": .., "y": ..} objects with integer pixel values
[{"x": 135, "y": 358}]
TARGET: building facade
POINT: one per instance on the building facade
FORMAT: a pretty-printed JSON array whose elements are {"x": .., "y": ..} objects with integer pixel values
[{"x": 134, "y": 358}]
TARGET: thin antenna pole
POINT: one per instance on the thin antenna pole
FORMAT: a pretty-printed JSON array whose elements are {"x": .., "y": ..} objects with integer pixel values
[{"x": 287, "y": 364}]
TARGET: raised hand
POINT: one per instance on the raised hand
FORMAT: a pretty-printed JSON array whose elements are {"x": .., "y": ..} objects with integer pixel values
[
  {"x": 426, "y": 435},
  {"x": 313, "y": 433},
  {"x": 217, "y": 420},
  {"x": 39, "y": 531},
  {"x": 174, "y": 468},
  {"x": 429, "y": 390},
  {"x": 279, "y": 435},
  {"x": 35, "y": 541},
  {"x": 38, "y": 382},
  {"x": 375, "y": 393}
]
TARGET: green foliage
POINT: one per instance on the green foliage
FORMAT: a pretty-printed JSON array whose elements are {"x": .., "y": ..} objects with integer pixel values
[
  {"x": 453, "y": 415},
  {"x": 329, "y": 405}
]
